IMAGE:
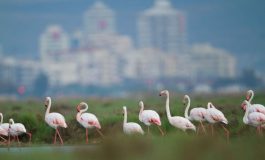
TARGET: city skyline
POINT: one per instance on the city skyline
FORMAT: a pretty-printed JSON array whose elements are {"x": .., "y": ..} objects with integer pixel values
[
  {"x": 109, "y": 58},
  {"x": 98, "y": 55},
  {"x": 235, "y": 26}
]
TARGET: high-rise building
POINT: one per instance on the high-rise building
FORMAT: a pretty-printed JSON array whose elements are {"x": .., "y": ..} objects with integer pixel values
[
  {"x": 54, "y": 41},
  {"x": 210, "y": 62},
  {"x": 162, "y": 27},
  {"x": 99, "y": 22}
]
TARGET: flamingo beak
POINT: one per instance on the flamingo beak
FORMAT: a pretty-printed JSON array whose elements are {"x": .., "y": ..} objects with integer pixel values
[
  {"x": 160, "y": 94},
  {"x": 77, "y": 108}
]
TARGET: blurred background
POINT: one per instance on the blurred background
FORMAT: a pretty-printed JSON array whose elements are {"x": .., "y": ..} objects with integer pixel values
[{"x": 114, "y": 48}]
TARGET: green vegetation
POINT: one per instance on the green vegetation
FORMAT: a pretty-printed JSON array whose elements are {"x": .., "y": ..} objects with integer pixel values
[{"x": 244, "y": 142}]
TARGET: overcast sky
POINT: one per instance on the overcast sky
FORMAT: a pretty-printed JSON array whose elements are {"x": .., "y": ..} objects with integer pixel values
[{"x": 235, "y": 25}]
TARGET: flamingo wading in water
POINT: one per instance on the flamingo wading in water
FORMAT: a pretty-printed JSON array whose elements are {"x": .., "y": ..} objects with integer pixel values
[
  {"x": 177, "y": 121},
  {"x": 130, "y": 127},
  {"x": 149, "y": 117},
  {"x": 87, "y": 120},
  {"x": 215, "y": 116},
  {"x": 54, "y": 119},
  {"x": 196, "y": 114},
  {"x": 255, "y": 119}
]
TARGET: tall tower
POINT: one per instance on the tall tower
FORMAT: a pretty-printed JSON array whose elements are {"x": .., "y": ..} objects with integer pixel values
[
  {"x": 162, "y": 27},
  {"x": 99, "y": 21}
]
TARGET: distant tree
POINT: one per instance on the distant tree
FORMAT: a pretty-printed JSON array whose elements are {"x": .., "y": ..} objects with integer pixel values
[{"x": 40, "y": 85}]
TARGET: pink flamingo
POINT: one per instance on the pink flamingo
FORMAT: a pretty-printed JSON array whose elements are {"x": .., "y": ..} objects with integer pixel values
[
  {"x": 215, "y": 116},
  {"x": 54, "y": 120},
  {"x": 255, "y": 119},
  {"x": 149, "y": 117},
  {"x": 87, "y": 120},
  {"x": 253, "y": 107},
  {"x": 16, "y": 129},
  {"x": 130, "y": 127},
  {"x": 177, "y": 121},
  {"x": 3, "y": 129},
  {"x": 196, "y": 114}
]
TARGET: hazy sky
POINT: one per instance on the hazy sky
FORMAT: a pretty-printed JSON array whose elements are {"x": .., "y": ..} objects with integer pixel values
[{"x": 235, "y": 25}]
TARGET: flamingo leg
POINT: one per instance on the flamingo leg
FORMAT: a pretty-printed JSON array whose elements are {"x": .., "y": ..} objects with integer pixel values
[
  {"x": 162, "y": 133},
  {"x": 203, "y": 128},
  {"x": 212, "y": 128},
  {"x": 226, "y": 132},
  {"x": 100, "y": 133},
  {"x": 259, "y": 131},
  {"x": 29, "y": 134},
  {"x": 148, "y": 131},
  {"x": 59, "y": 136},
  {"x": 18, "y": 141},
  {"x": 198, "y": 129},
  {"x": 8, "y": 143},
  {"x": 54, "y": 139},
  {"x": 86, "y": 136}
]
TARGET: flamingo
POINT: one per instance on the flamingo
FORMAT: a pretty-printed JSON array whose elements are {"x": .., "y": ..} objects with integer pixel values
[
  {"x": 196, "y": 114},
  {"x": 255, "y": 119},
  {"x": 177, "y": 121},
  {"x": 253, "y": 107},
  {"x": 54, "y": 119},
  {"x": 130, "y": 127},
  {"x": 215, "y": 116},
  {"x": 149, "y": 117},
  {"x": 3, "y": 128},
  {"x": 16, "y": 129},
  {"x": 87, "y": 120}
]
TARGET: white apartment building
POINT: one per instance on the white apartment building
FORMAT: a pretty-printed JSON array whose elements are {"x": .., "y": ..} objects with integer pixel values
[
  {"x": 99, "y": 21},
  {"x": 162, "y": 27},
  {"x": 210, "y": 62},
  {"x": 53, "y": 42},
  {"x": 19, "y": 72}
]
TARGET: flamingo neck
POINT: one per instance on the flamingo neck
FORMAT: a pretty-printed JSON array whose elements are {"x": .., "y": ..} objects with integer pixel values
[
  {"x": 125, "y": 117},
  {"x": 187, "y": 108},
  {"x": 210, "y": 105},
  {"x": 167, "y": 107},
  {"x": 78, "y": 115},
  {"x": 251, "y": 96},
  {"x": 11, "y": 122},
  {"x": 48, "y": 108},
  {"x": 1, "y": 118},
  {"x": 141, "y": 111},
  {"x": 85, "y": 109},
  {"x": 245, "y": 118}
]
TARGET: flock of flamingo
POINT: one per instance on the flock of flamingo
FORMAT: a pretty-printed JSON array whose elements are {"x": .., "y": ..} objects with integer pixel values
[{"x": 254, "y": 116}]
